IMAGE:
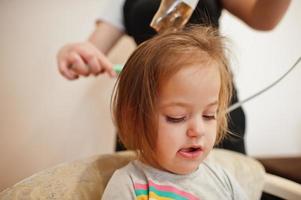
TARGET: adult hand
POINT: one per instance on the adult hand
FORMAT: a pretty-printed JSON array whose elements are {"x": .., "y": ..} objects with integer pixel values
[{"x": 83, "y": 59}]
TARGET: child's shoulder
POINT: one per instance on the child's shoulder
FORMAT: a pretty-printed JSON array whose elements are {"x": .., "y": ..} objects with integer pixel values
[
  {"x": 129, "y": 170},
  {"x": 218, "y": 173},
  {"x": 120, "y": 185},
  {"x": 214, "y": 168},
  {"x": 223, "y": 179},
  {"x": 125, "y": 169}
]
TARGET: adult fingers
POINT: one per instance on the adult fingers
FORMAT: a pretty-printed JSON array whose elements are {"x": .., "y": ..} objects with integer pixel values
[
  {"x": 97, "y": 61},
  {"x": 89, "y": 55},
  {"x": 94, "y": 65},
  {"x": 65, "y": 71},
  {"x": 106, "y": 65},
  {"x": 78, "y": 65}
]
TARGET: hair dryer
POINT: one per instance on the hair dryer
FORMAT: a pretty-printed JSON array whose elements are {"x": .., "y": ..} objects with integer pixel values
[{"x": 173, "y": 14}]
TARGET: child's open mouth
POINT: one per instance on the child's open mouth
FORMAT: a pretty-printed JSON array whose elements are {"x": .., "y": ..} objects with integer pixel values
[{"x": 190, "y": 152}]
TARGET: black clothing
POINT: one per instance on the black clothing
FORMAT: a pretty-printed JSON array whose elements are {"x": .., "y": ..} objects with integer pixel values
[{"x": 138, "y": 14}]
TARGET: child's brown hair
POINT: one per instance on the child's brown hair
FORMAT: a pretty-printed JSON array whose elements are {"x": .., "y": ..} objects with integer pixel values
[{"x": 151, "y": 64}]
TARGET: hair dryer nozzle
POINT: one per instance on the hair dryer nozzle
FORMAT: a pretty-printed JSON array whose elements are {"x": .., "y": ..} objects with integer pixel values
[{"x": 173, "y": 14}]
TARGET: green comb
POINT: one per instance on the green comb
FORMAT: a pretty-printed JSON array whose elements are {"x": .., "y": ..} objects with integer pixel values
[{"x": 118, "y": 68}]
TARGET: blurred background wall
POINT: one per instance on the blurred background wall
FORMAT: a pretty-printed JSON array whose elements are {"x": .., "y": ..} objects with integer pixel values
[
  {"x": 259, "y": 58},
  {"x": 45, "y": 119}
]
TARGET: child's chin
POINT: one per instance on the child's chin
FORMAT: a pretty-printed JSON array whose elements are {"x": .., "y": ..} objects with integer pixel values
[{"x": 184, "y": 171}]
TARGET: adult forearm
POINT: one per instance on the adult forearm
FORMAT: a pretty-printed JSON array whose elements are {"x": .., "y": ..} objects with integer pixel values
[
  {"x": 268, "y": 13},
  {"x": 258, "y": 14},
  {"x": 105, "y": 36}
]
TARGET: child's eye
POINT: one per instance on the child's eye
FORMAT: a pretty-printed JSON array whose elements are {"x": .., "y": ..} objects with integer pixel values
[
  {"x": 174, "y": 119},
  {"x": 209, "y": 117}
]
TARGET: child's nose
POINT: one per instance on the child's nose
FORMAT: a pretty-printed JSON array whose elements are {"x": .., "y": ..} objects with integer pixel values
[{"x": 196, "y": 127}]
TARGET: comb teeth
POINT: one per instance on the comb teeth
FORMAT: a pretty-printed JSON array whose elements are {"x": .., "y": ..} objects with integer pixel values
[{"x": 118, "y": 68}]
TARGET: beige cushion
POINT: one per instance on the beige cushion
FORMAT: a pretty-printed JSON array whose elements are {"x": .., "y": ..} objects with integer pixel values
[
  {"x": 83, "y": 179},
  {"x": 87, "y": 178},
  {"x": 247, "y": 171}
]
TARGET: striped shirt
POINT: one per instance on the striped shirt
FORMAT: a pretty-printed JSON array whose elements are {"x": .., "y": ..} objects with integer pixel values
[{"x": 142, "y": 182}]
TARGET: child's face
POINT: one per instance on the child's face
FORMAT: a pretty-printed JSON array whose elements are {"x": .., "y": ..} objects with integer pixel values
[{"x": 187, "y": 127}]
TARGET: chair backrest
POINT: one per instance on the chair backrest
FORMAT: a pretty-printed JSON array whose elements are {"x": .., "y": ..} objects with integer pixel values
[
  {"x": 87, "y": 178},
  {"x": 248, "y": 172},
  {"x": 83, "y": 179}
]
